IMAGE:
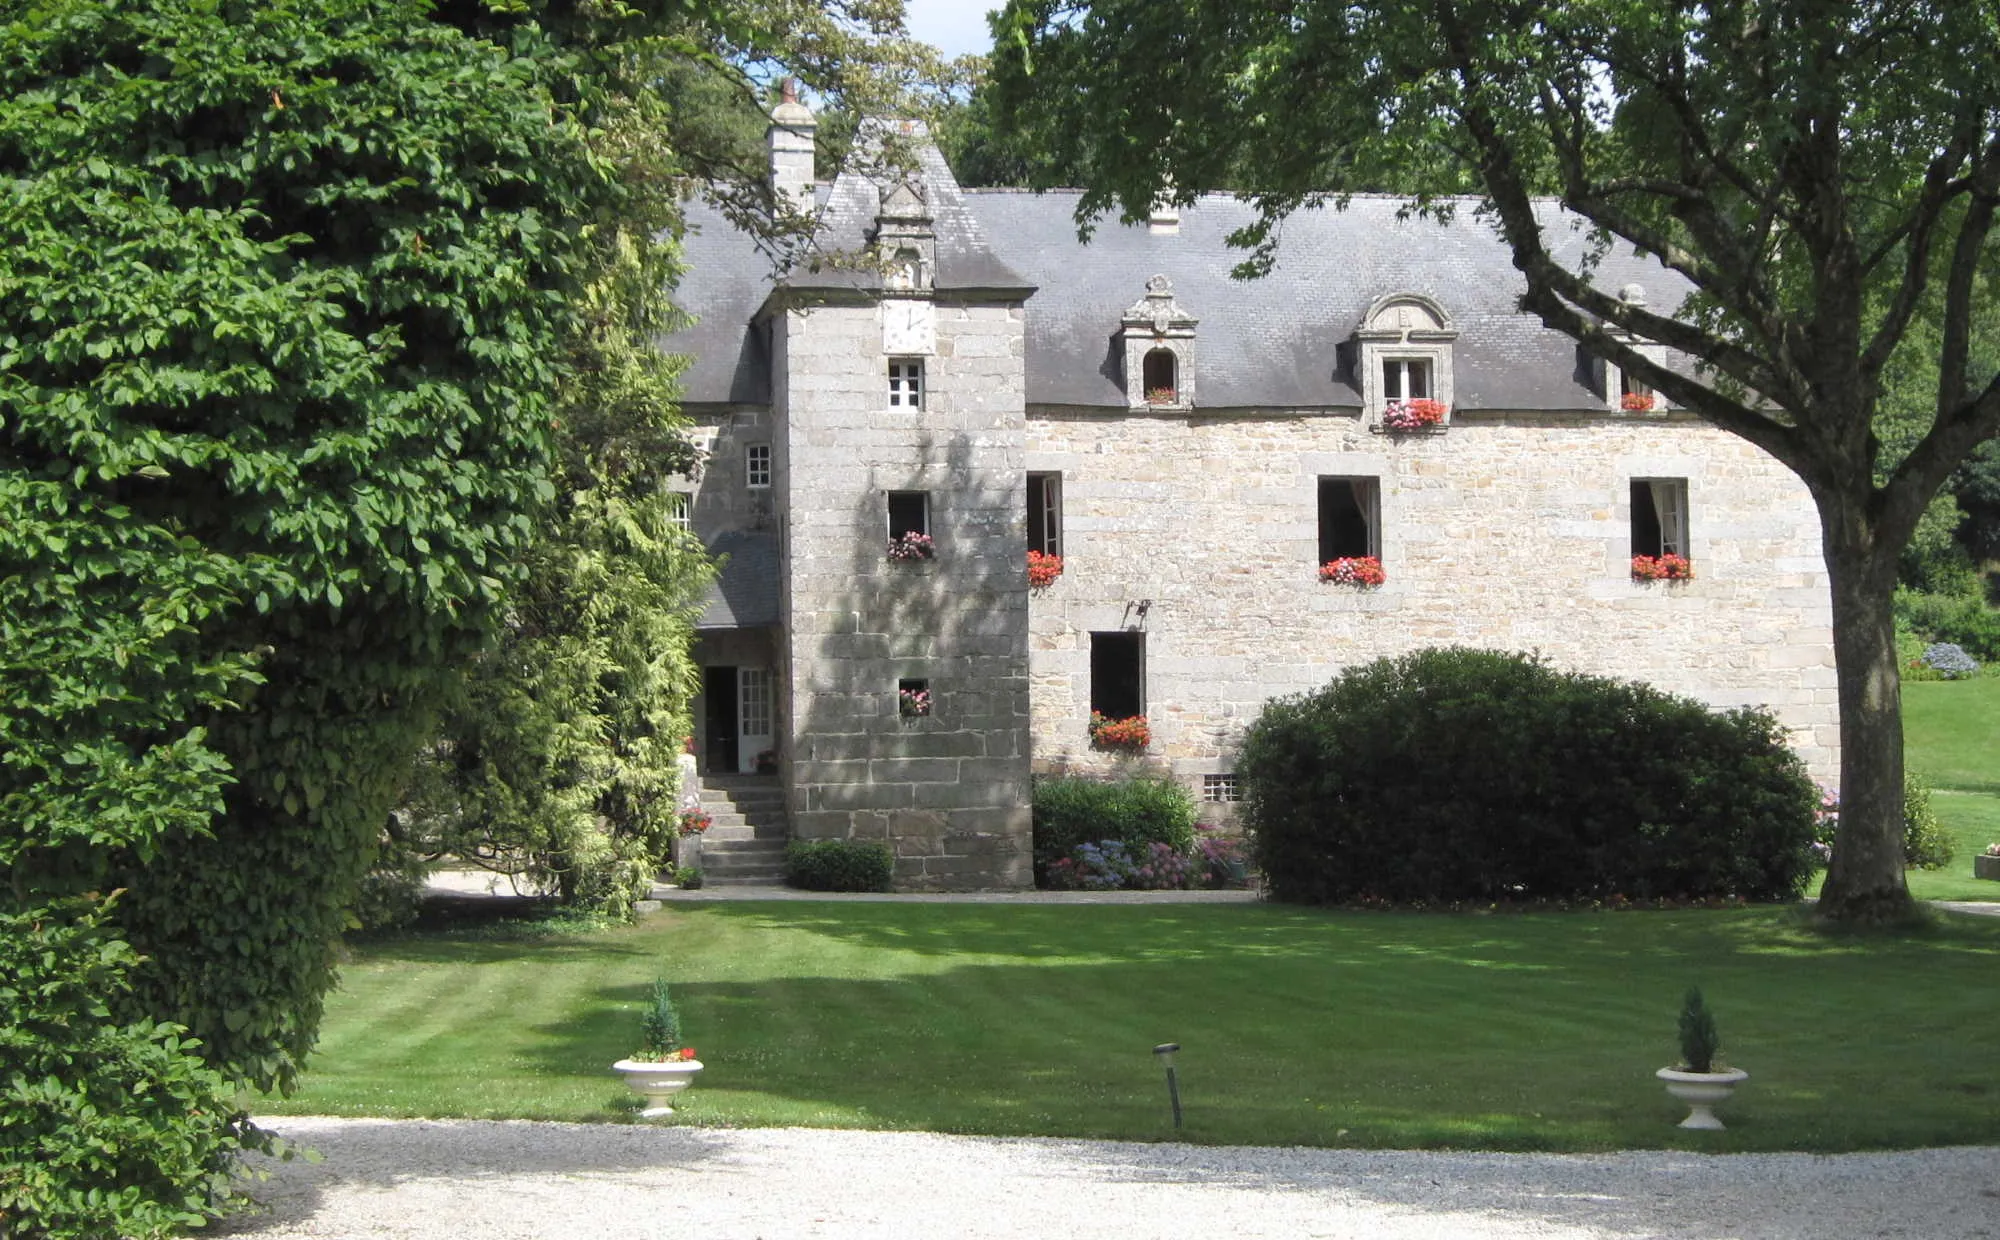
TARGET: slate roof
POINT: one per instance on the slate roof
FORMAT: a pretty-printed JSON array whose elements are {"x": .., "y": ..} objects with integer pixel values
[
  {"x": 744, "y": 594},
  {"x": 1275, "y": 342}
]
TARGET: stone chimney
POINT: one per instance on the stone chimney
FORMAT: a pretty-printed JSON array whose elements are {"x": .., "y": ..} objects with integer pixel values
[{"x": 791, "y": 142}]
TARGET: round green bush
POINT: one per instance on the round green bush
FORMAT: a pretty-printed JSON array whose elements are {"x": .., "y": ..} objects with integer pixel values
[
  {"x": 1467, "y": 775},
  {"x": 1071, "y": 810}
]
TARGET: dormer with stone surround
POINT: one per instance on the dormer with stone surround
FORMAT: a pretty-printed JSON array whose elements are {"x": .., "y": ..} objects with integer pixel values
[
  {"x": 1405, "y": 344},
  {"x": 1157, "y": 337}
]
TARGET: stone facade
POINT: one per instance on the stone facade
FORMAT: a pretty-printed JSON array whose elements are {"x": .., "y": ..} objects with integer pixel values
[{"x": 986, "y": 366}]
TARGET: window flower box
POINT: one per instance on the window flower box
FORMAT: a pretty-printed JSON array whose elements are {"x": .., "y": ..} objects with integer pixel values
[
  {"x": 1661, "y": 568},
  {"x": 1161, "y": 396},
  {"x": 1364, "y": 571},
  {"x": 1131, "y": 735},
  {"x": 906, "y": 548},
  {"x": 1637, "y": 402},
  {"x": 913, "y": 703},
  {"x": 1414, "y": 415},
  {"x": 1043, "y": 569}
]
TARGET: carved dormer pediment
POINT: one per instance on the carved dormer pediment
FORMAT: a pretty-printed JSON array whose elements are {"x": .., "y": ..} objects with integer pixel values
[{"x": 1158, "y": 338}]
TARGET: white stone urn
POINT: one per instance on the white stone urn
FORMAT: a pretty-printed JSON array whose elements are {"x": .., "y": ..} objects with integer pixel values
[
  {"x": 657, "y": 1081},
  {"x": 1701, "y": 1091}
]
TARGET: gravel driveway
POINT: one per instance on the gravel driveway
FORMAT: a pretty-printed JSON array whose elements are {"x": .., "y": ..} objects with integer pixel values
[{"x": 471, "y": 1180}]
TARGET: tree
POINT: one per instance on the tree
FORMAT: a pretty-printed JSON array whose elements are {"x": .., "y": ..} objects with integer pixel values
[{"x": 1816, "y": 172}]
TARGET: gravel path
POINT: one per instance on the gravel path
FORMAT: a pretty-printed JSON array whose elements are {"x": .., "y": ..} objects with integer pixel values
[{"x": 472, "y": 1180}]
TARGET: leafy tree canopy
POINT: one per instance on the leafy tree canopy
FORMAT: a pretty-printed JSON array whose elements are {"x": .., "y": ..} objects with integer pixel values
[{"x": 1817, "y": 174}]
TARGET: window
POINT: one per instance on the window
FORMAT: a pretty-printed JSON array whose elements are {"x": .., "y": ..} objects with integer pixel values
[
  {"x": 1406, "y": 378},
  {"x": 909, "y": 513},
  {"x": 1159, "y": 378},
  {"x": 1045, "y": 513},
  {"x": 1117, "y": 679},
  {"x": 906, "y": 383},
  {"x": 1659, "y": 516},
  {"x": 1349, "y": 518},
  {"x": 913, "y": 698},
  {"x": 757, "y": 465},
  {"x": 1219, "y": 788},
  {"x": 680, "y": 508}
]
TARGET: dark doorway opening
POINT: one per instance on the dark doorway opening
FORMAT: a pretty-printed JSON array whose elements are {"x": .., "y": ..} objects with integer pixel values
[{"x": 718, "y": 689}]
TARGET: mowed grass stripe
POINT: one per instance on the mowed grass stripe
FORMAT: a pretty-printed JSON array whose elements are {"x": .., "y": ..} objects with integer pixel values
[{"x": 1297, "y": 1026}]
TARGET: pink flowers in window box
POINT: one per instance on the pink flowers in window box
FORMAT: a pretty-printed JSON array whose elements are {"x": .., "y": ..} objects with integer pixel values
[
  {"x": 1353, "y": 570},
  {"x": 1129, "y": 734},
  {"x": 1637, "y": 402},
  {"x": 913, "y": 703},
  {"x": 911, "y": 546},
  {"x": 1414, "y": 415},
  {"x": 1043, "y": 569},
  {"x": 1661, "y": 568},
  {"x": 1161, "y": 396}
]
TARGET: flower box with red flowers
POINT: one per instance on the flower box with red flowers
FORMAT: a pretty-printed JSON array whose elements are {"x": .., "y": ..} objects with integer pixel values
[
  {"x": 1161, "y": 396},
  {"x": 1130, "y": 734},
  {"x": 1637, "y": 402},
  {"x": 1661, "y": 568},
  {"x": 1353, "y": 570},
  {"x": 908, "y": 548},
  {"x": 1043, "y": 569},
  {"x": 1414, "y": 415}
]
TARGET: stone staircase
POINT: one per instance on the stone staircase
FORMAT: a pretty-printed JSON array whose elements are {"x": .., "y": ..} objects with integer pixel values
[{"x": 746, "y": 844}]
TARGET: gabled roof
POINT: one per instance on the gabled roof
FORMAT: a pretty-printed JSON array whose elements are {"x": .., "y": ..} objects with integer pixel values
[{"x": 1276, "y": 342}]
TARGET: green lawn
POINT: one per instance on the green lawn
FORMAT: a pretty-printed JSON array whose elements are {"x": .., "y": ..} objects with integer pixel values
[
  {"x": 1951, "y": 735},
  {"x": 1511, "y": 1031}
]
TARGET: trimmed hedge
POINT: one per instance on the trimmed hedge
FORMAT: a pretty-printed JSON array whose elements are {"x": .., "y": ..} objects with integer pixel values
[
  {"x": 1135, "y": 812},
  {"x": 838, "y": 865},
  {"x": 1468, "y": 775}
]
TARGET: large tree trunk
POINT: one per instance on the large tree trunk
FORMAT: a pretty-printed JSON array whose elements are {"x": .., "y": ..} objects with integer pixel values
[{"x": 1865, "y": 883}]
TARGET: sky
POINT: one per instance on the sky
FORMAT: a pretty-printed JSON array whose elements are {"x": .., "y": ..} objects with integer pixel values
[{"x": 954, "y": 27}]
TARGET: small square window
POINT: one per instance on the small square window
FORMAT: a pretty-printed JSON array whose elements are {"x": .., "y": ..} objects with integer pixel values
[
  {"x": 1219, "y": 788},
  {"x": 1406, "y": 378},
  {"x": 680, "y": 509},
  {"x": 757, "y": 465},
  {"x": 906, "y": 383},
  {"x": 909, "y": 513},
  {"x": 1045, "y": 513}
]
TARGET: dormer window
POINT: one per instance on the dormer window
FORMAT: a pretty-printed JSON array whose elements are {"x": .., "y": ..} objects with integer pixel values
[
  {"x": 1405, "y": 344},
  {"x": 1158, "y": 338},
  {"x": 1621, "y": 390}
]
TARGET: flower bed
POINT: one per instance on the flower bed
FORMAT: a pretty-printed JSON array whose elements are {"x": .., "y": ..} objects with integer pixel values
[
  {"x": 1131, "y": 734},
  {"x": 1043, "y": 569},
  {"x": 1661, "y": 568},
  {"x": 1354, "y": 570}
]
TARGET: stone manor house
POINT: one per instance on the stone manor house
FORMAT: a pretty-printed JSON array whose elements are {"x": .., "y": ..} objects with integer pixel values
[{"x": 887, "y": 444}]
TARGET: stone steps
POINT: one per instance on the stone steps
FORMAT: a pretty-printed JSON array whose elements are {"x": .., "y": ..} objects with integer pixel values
[{"x": 745, "y": 845}]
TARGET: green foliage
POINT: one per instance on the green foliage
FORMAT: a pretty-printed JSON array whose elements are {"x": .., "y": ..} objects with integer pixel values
[
  {"x": 1456, "y": 774},
  {"x": 839, "y": 865},
  {"x": 557, "y": 753},
  {"x": 688, "y": 878},
  {"x": 1926, "y": 844},
  {"x": 1071, "y": 810},
  {"x": 659, "y": 1025},
  {"x": 1700, "y": 1043},
  {"x": 284, "y": 290},
  {"x": 1965, "y": 620},
  {"x": 108, "y": 1126}
]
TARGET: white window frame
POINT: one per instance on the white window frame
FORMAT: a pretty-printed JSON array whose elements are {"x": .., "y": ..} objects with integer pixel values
[
  {"x": 757, "y": 466},
  {"x": 1396, "y": 375},
  {"x": 906, "y": 383},
  {"x": 1367, "y": 492},
  {"x": 680, "y": 509},
  {"x": 1669, "y": 497}
]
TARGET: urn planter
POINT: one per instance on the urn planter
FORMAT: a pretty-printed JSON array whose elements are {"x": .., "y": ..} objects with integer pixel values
[
  {"x": 657, "y": 1082},
  {"x": 1984, "y": 866},
  {"x": 1701, "y": 1091}
]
